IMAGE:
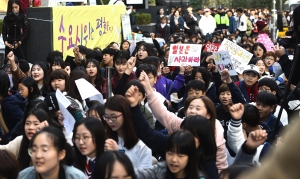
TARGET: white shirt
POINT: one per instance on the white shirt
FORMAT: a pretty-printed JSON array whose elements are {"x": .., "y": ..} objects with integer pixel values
[
  {"x": 207, "y": 25},
  {"x": 242, "y": 23},
  {"x": 140, "y": 155}
]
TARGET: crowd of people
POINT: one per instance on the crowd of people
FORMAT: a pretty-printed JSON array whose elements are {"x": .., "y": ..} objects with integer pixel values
[{"x": 162, "y": 121}]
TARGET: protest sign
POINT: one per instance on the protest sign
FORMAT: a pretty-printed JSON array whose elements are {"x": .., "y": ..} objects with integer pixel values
[
  {"x": 239, "y": 56},
  {"x": 223, "y": 61},
  {"x": 90, "y": 26},
  {"x": 211, "y": 47},
  {"x": 186, "y": 54},
  {"x": 126, "y": 27}
]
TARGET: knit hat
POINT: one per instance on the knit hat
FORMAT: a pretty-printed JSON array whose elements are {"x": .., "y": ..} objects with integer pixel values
[
  {"x": 51, "y": 101},
  {"x": 261, "y": 25},
  {"x": 251, "y": 68}
]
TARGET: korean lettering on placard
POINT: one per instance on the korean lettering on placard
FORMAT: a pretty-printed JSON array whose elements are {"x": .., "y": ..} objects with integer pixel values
[
  {"x": 184, "y": 53},
  {"x": 223, "y": 61}
]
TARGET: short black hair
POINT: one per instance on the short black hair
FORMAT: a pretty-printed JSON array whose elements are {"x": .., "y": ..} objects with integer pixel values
[
  {"x": 196, "y": 85},
  {"x": 95, "y": 54},
  {"x": 53, "y": 54},
  {"x": 153, "y": 60},
  {"x": 4, "y": 83},
  {"x": 269, "y": 83},
  {"x": 109, "y": 51},
  {"x": 266, "y": 98},
  {"x": 251, "y": 115},
  {"x": 24, "y": 66},
  {"x": 147, "y": 68},
  {"x": 240, "y": 10}
]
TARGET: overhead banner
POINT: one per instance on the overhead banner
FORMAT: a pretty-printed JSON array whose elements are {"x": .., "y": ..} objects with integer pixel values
[
  {"x": 184, "y": 54},
  {"x": 90, "y": 26},
  {"x": 3, "y": 5}
]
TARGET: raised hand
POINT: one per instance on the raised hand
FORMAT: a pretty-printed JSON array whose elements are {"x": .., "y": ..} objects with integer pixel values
[
  {"x": 237, "y": 111},
  {"x": 165, "y": 70},
  {"x": 225, "y": 76},
  {"x": 68, "y": 70},
  {"x": 256, "y": 138},
  {"x": 130, "y": 65},
  {"x": 144, "y": 80},
  {"x": 132, "y": 95},
  {"x": 182, "y": 69},
  {"x": 42, "y": 125},
  {"x": 279, "y": 50},
  {"x": 110, "y": 145},
  {"x": 11, "y": 56},
  {"x": 188, "y": 70}
]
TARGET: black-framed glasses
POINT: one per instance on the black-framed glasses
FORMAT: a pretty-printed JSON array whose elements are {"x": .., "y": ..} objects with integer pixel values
[
  {"x": 112, "y": 118},
  {"x": 83, "y": 138}
]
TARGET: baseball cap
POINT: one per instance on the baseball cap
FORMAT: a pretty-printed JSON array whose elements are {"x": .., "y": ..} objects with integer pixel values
[
  {"x": 220, "y": 8},
  {"x": 251, "y": 68}
]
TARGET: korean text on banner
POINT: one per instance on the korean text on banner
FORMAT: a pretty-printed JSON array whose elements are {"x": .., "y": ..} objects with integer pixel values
[
  {"x": 223, "y": 61},
  {"x": 90, "y": 26},
  {"x": 211, "y": 47},
  {"x": 239, "y": 56},
  {"x": 3, "y": 5},
  {"x": 186, "y": 54}
]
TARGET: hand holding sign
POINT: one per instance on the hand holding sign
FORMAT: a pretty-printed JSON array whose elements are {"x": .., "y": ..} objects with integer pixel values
[{"x": 223, "y": 61}]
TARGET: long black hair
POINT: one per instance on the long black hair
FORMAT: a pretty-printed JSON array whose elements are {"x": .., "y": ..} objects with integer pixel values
[
  {"x": 33, "y": 89},
  {"x": 23, "y": 157},
  {"x": 183, "y": 142},
  {"x": 106, "y": 162},
  {"x": 45, "y": 89},
  {"x": 97, "y": 131},
  {"x": 9, "y": 6}
]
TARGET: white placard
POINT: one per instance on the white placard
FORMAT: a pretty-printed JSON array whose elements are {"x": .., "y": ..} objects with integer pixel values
[
  {"x": 126, "y": 27},
  {"x": 239, "y": 56},
  {"x": 186, "y": 54},
  {"x": 223, "y": 61}
]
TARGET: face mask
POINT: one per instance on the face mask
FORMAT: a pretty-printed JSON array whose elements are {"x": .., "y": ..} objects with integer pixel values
[
  {"x": 16, "y": 13},
  {"x": 11, "y": 82}
]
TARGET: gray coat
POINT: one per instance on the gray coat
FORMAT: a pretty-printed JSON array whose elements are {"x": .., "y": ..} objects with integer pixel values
[
  {"x": 156, "y": 172},
  {"x": 71, "y": 173}
]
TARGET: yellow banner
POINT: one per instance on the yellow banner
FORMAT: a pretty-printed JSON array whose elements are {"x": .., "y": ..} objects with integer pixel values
[
  {"x": 91, "y": 26},
  {"x": 3, "y": 5}
]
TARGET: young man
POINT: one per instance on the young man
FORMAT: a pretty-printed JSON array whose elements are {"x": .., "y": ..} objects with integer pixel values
[
  {"x": 163, "y": 29},
  {"x": 248, "y": 85},
  {"x": 190, "y": 21},
  {"x": 222, "y": 19},
  {"x": 245, "y": 119},
  {"x": 108, "y": 57},
  {"x": 241, "y": 22},
  {"x": 207, "y": 24},
  {"x": 232, "y": 22}
]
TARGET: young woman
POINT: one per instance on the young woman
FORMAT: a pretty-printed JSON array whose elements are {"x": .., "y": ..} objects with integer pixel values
[
  {"x": 97, "y": 111},
  {"x": 93, "y": 69},
  {"x": 59, "y": 79},
  {"x": 114, "y": 164},
  {"x": 28, "y": 88},
  {"x": 200, "y": 106},
  {"x": 51, "y": 156},
  {"x": 56, "y": 63},
  {"x": 258, "y": 49},
  {"x": 181, "y": 159},
  {"x": 20, "y": 144},
  {"x": 261, "y": 67},
  {"x": 176, "y": 23},
  {"x": 269, "y": 60},
  {"x": 12, "y": 104},
  {"x": 15, "y": 29},
  {"x": 144, "y": 50},
  {"x": 120, "y": 128},
  {"x": 40, "y": 75},
  {"x": 10, "y": 169},
  {"x": 122, "y": 73},
  {"x": 160, "y": 13},
  {"x": 89, "y": 138}
]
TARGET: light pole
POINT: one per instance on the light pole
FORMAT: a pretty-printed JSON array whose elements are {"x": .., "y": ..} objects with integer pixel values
[{"x": 273, "y": 21}]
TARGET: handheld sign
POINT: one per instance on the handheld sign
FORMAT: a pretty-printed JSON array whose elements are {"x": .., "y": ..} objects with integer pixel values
[
  {"x": 87, "y": 90},
  {"x": 223, "y": 61},
  {"x": 63, "y": 103},
  {"x": 126, "y": 27},
  {"x": 239, "y": 56},
  {"x": 186, "y": 54},
  {"x": 211, "y": 47}
]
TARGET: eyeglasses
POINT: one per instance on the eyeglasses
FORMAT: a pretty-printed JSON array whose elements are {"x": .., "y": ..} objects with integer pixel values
[
  {"x": 32, "y": 152},
  {"x": 83, "y": 138},
  {"x": 272, "y": 59},
  {"x": 112, "y": 118}
]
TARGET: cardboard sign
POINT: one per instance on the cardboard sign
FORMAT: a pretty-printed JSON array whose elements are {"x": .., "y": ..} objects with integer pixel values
[
  {"x": 211, "y": 47},
  {"x": 223, "y": 61},
  {"x": 126, "y": 26},
  {"x": 239, "y": 56},
  {"x": 186, "y": 54}
]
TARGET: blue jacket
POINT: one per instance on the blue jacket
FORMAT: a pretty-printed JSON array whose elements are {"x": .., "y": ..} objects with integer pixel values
[
  {"x": 271, "y": 124},
  {"x": 232, "y": 25},
  {"x": 157, "y": 141},
  {"x": 163, "y": 85},
  {"x": 13, "y": 107},
  {"x": 173, "y": 26}
]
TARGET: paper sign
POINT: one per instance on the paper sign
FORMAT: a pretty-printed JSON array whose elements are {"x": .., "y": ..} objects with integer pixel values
[
  {"x": 126, "y": 27},
  {"x": 63, "y": 103},
  {"x": 223, "y": 61},
  {"x": 138, "y": 37},
  {"x": 239, "y": 56},
  {"x": 86, "y": 89},
  {"x": 211, "y": 47},
  {"x": 186, "y": 54}
]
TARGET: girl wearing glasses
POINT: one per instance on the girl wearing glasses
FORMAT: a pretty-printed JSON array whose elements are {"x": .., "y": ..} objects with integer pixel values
[
  {"x": 51, "y": 156},
  {"x": 89, "y": 138},
  {"x": 19, "y": 145},
  {"x": 120, "y": 128}
]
